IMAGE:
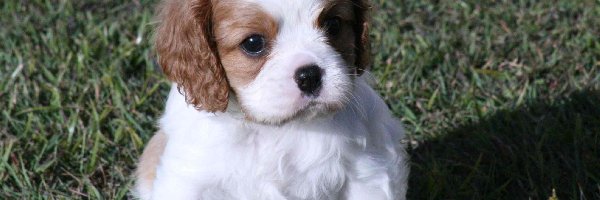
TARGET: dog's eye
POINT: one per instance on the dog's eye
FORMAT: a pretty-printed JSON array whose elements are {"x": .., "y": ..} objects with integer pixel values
[
  {"x": 332, "y": 26},
  {"x": 254, "y": 45}
]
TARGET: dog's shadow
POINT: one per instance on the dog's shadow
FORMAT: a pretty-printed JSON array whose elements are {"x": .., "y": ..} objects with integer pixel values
[{"x": 524, "y": 153}]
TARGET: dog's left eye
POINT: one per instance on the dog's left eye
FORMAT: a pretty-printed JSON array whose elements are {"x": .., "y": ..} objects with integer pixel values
[
  {"x": 254, "y": 45},
  {"x": 332, "y": 26}
]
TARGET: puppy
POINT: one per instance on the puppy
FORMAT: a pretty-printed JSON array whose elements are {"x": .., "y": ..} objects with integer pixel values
[{"x": 270, "y": 101}]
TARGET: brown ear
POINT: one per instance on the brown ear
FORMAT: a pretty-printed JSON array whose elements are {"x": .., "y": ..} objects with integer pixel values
[
  {"x": 361, "y": 32},
  {"x": 188, "y": 53}
]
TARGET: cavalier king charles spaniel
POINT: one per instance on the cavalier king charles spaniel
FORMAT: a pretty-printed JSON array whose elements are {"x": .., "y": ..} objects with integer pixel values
[{"x": 270, "y": 100}]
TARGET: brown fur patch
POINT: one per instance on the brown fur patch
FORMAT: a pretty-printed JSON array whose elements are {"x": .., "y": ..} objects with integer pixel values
[
  {"x": 198, "y": 44},
  {"x": 188, "y": 53},
  {"x": 146, "y": 169},
  {"x": 234, "y": 22},
  {"x": 353, "y": 15}
]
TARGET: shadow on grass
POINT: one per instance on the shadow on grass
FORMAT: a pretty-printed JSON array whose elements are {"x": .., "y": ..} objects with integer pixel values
[{"x": 518, "y": 154}]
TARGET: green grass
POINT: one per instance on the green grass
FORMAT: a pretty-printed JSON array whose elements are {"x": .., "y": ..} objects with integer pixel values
[{"x": 501, "y": 98}]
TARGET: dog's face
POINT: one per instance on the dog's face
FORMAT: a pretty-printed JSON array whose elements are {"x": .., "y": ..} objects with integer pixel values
[{"x": 278, "y": 59}]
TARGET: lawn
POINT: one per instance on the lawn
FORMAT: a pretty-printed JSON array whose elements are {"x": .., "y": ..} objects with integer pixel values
[{"x": 501, "y": 99}]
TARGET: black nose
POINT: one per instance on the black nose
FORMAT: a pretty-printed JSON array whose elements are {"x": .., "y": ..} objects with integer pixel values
[{"x": 308, "y": 79}]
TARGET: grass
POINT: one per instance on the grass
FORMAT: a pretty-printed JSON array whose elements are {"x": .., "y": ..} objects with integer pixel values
[{"x": 501, "y": 98}]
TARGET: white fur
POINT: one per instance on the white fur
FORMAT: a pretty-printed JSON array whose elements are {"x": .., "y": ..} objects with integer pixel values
[
  {"x": 297, "y": 148},
  {"x": 353, "y": 154}
]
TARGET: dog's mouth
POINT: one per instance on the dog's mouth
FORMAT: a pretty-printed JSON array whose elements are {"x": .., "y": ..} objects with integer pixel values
[{"x": 312, "y": 110}]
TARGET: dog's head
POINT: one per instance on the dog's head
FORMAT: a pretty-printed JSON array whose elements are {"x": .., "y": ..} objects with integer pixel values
[{"x": 277, "y": 58}]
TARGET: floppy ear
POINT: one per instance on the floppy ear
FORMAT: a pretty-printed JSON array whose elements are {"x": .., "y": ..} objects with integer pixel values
[
  {"x": 361, "y": 32},
  {"x": 188, "y": 53}
]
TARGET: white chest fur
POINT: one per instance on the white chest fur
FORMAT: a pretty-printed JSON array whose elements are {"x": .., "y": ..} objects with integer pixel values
[{"x": 352, "y": 154}]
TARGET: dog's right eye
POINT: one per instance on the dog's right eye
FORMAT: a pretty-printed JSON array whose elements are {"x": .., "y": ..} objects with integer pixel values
[
  {"x": 332, "y": 26},
  {"x": 254, "y": 45}
]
